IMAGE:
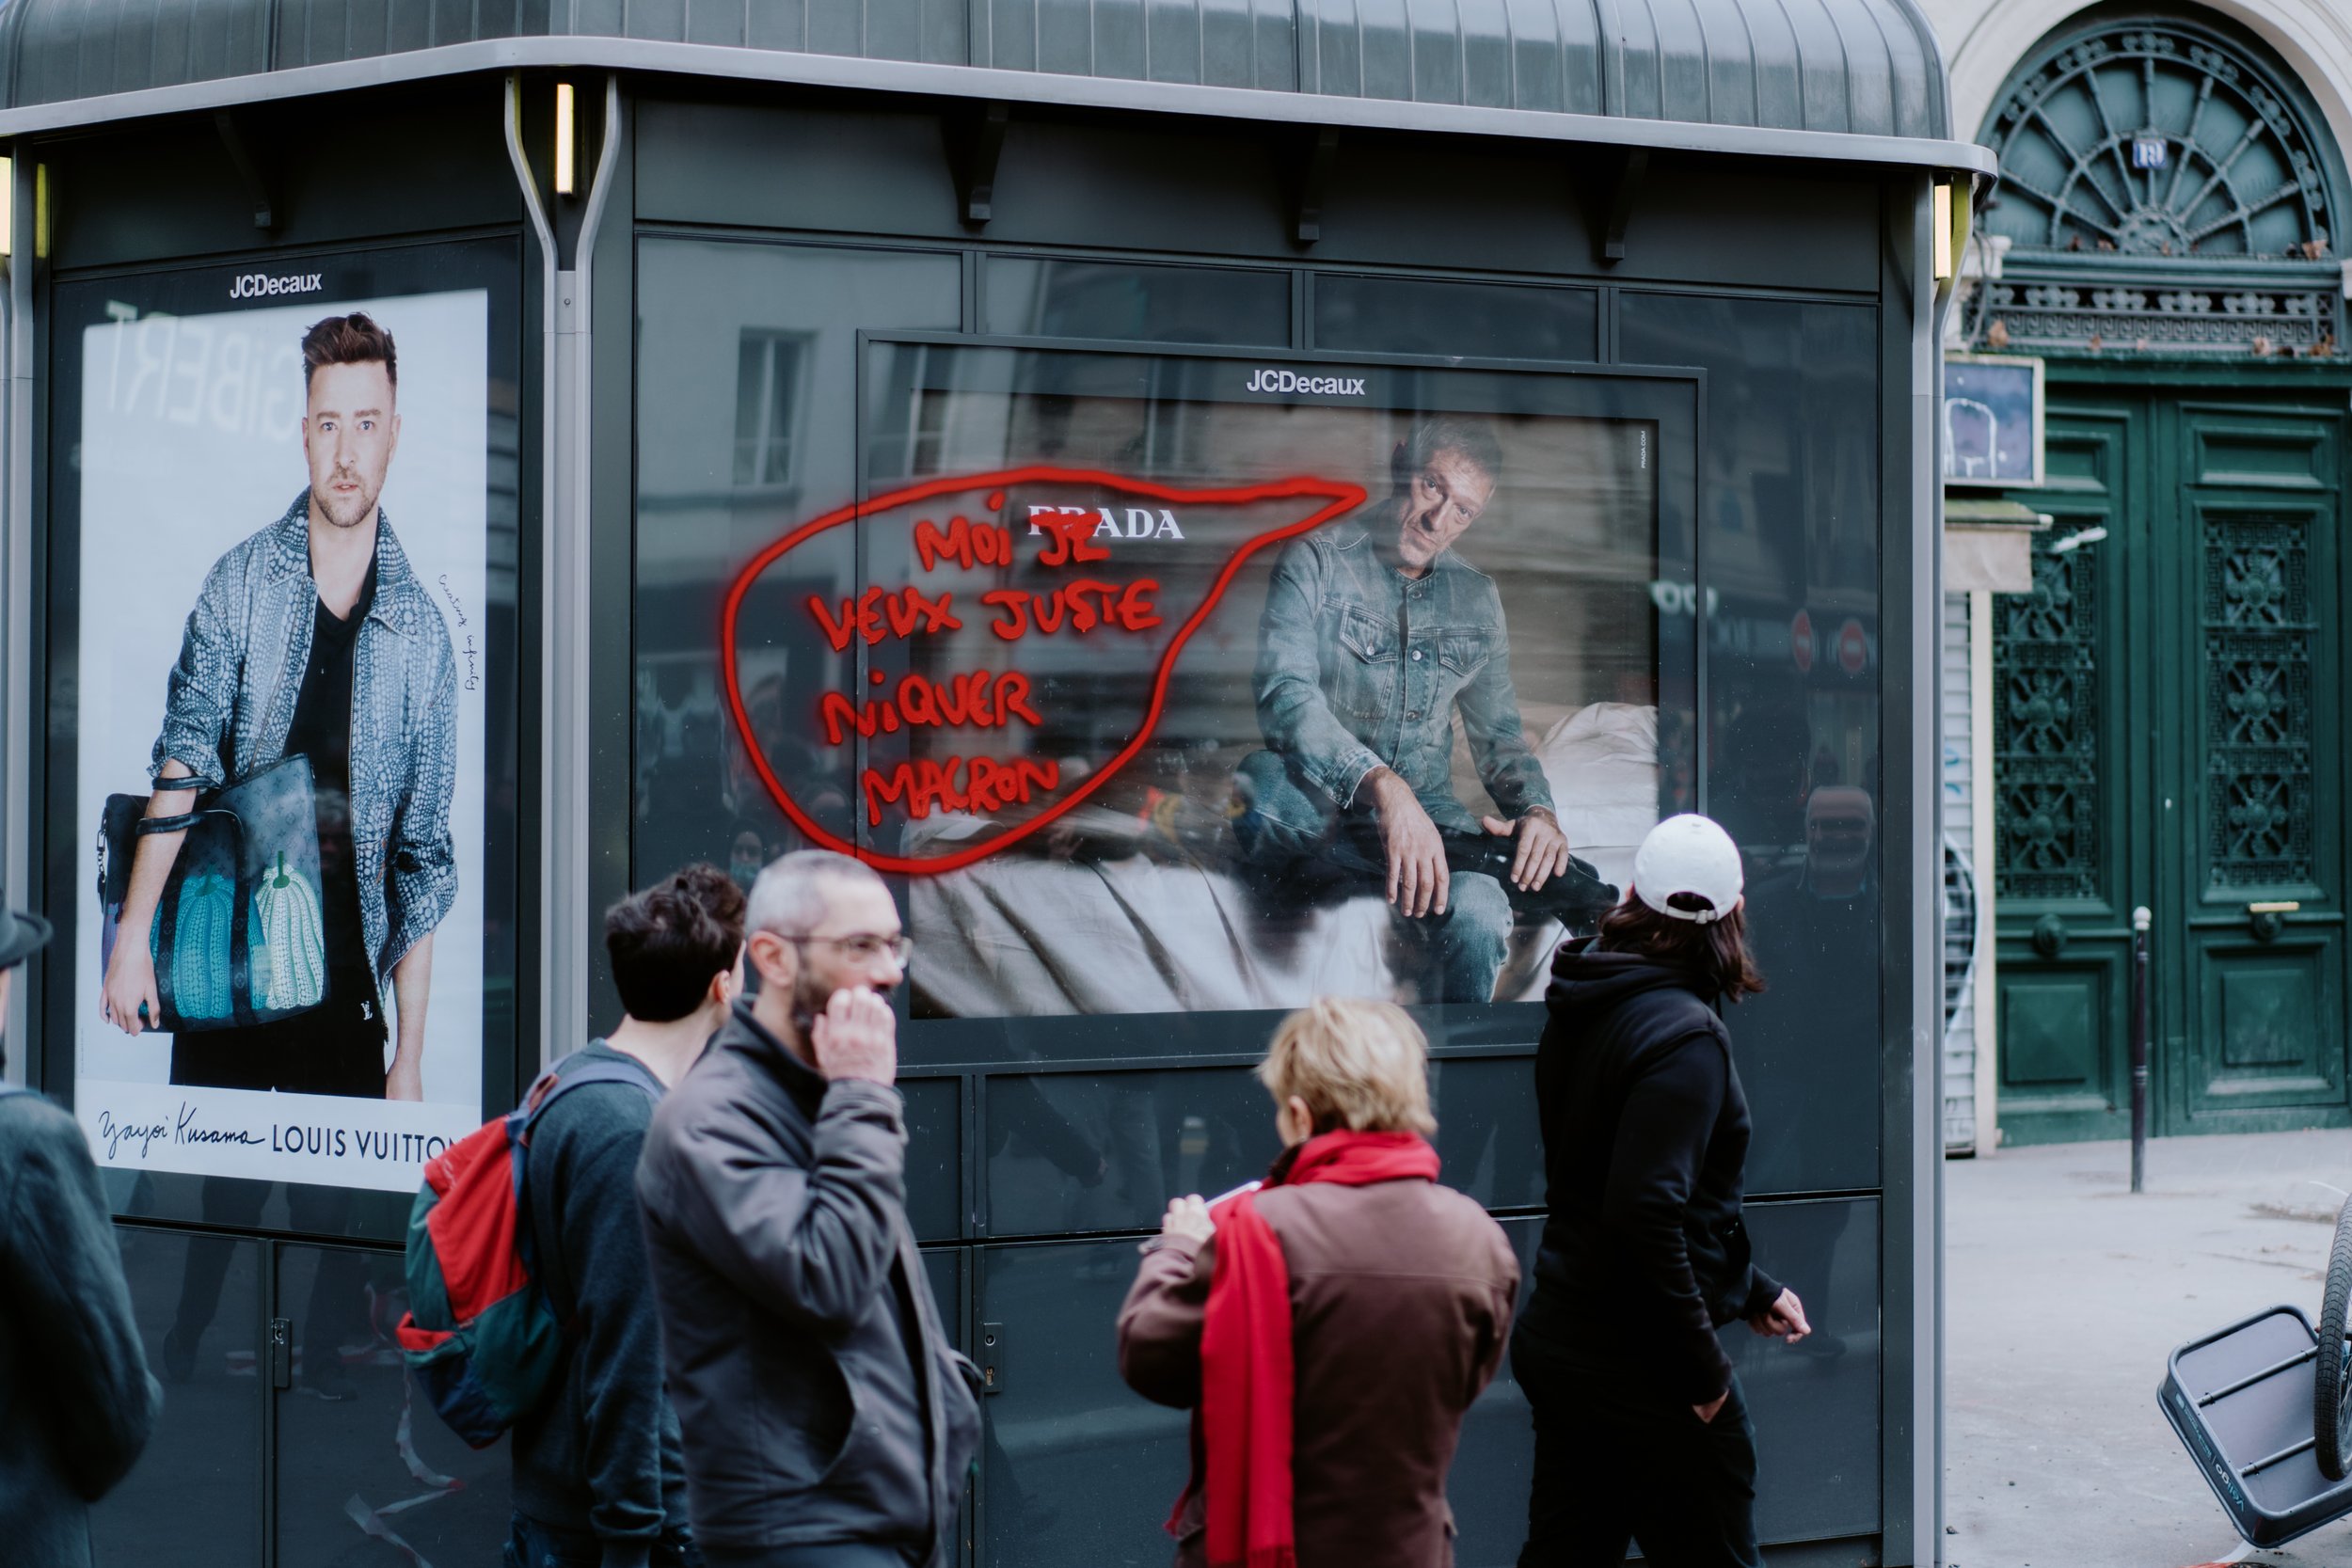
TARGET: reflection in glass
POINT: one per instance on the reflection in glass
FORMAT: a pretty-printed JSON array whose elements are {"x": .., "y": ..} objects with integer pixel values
[
  {"x": 1106, "y": 1151},
  {"x": 1127, "y": 709},
  {"x": 1455, "y": 321},
  {"x": 1791, "y": 538},
  {"x": 1816, "y": 1403},
  {"x": 1047, "y": 297},
  {"x": 1078, "y": 1471},
  {"x": 1486, "y": 1131},
  {"x": 357, "y": 1456},
  {"x": 195, "y": 1496},
  {"x": 934, "y": 1122},
  {"x": 745, "y": 364},
  {"x": 1487, "y": 1486}
]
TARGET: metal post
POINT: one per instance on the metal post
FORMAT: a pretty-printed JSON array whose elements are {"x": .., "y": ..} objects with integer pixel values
[{"x": 2142, "y": 920}]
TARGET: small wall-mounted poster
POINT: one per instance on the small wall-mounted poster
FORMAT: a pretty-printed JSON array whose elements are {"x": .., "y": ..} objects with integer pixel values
[{"x": 1991, "y": 421}]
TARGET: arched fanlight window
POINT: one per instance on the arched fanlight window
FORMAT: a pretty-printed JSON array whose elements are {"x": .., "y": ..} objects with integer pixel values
[
  {"x": 2167, "y": 186},
  {"x": 2160, "y": 136}
]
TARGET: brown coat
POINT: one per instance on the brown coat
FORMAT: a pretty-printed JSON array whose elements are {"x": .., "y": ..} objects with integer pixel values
[{"x": 1401, "y": 1297}]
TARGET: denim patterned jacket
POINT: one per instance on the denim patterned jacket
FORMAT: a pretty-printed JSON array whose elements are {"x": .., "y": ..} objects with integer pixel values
[
  {"x": 1361, "y": 666},
  {"x": 231, "y": 700}
]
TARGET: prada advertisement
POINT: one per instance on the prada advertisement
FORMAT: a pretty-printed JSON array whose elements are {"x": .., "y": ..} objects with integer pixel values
[
  {"x": 293, "y": 566},
  {"x": 1172, "y": 683}
]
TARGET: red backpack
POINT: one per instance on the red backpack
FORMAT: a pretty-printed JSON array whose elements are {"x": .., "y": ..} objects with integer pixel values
[{"x": 481, "y": 1337}]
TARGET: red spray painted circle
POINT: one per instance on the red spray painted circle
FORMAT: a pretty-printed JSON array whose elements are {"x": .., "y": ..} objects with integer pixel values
[{"x": 1339, "y": 497}]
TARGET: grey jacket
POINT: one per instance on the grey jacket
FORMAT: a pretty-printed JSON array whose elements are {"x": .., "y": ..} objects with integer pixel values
[
  {"x": 231, "y": 700},
  {"x": 818, "y": 1397},
  {"x": 76, "y": 1399},
  {"x": 1361, "y": 666}
]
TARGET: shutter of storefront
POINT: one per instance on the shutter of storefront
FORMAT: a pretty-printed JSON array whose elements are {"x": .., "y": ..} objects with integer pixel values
[{"x": 1959, "y": 898}]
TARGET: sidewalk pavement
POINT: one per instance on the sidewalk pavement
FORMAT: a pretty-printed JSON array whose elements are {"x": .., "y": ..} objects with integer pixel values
[{"x": 2064, "y": 1295}]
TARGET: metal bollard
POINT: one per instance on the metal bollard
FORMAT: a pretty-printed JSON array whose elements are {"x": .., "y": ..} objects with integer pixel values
[{"x": 2142, "y": 920}]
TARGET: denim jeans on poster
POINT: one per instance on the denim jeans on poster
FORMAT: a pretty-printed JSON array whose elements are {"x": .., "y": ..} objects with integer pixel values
[{"x": 533, "y": 1544}]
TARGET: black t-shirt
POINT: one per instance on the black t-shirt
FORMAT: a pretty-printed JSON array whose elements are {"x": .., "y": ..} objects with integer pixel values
[{"x": 321, "y": 732}]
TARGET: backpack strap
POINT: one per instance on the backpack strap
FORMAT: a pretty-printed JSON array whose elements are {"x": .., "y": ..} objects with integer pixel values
[
  {"x": 556, "y": 1081},
  {"x": 551, "y": 1086}
]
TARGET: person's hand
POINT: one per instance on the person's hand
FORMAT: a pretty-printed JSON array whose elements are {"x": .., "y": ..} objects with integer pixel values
[
  {"x": 406, "y": 1081},
  {"x": 1785, "y": 1317},
  {"x": 1542, "y": 852},
  {"x": 1418, "y": 878},
  {"x": 1188, "y": 1217},
  {"x": 856, "y": 1036},
  {"x": 1706, "y": 1412},
  {"x": 130, "y": 985}
]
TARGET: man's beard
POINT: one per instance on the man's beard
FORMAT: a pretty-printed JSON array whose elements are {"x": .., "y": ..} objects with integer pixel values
[
  {"x": 360, "y": 507},
  {"x": 811, "y": 996}
]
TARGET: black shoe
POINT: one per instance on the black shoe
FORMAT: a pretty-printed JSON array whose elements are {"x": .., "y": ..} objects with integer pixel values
[{"x": 178, "y": 1356}]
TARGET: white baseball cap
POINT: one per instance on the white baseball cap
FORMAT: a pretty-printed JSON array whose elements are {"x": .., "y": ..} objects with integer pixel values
[{"x": 1688, "y": 854}]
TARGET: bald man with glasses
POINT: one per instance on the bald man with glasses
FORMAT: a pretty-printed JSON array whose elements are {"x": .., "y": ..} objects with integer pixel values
[{"x": 827, "y": 1421}]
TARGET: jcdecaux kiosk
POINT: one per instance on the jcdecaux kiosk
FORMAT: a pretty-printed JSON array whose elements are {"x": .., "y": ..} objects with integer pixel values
[{"x": 955, "y": 434}]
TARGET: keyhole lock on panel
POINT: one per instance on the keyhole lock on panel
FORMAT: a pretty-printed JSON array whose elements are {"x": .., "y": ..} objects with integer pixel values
[
  {"x": 282, "y": 1352},
  {"x": 991, "y": 1358}
]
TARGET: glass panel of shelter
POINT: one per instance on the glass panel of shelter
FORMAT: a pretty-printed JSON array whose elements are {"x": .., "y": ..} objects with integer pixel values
[
  {"x": 1790, "y": 542},
  {"x": 1043, "y": 297},
  {"x": 363, "y": 1472},
  {"x": 195, "y": 1496},
  {"x": 1789, "y": 554}
]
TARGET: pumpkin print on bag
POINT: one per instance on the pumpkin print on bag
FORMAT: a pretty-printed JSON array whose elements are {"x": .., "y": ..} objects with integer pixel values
[
  {"x": 200, "y": 982},
  {"x": 289, "y": 941}
]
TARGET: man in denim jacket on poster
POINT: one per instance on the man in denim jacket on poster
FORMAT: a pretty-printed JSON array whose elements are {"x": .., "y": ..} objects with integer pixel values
[
  {"x": 1374, "y": 633},
  {"x": 314, "y": 636}
]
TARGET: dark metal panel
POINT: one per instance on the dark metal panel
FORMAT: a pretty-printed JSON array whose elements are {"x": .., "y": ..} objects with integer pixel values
[
  {"x": 134, "y": 196},
  {"x": 197, "y": 1302},
  {"x": 1708, "y": 221},
  {"x": 1078, "y": 1470},
  {"x": 934, "y": 1118},
  {"x": 793, "y": 169},
  {"x": 1912, "y": 1163}
]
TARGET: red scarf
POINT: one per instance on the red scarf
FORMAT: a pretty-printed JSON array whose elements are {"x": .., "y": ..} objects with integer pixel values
[{"x": 1244, "y": 1422}]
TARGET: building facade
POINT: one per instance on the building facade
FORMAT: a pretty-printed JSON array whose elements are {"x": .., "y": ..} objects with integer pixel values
[
  {"x": 889, "y": 426},
  {"x": 2164, "y": 704}
]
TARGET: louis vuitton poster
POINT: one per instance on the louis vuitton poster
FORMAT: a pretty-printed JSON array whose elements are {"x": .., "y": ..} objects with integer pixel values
[{"x": 295, "y": 592}]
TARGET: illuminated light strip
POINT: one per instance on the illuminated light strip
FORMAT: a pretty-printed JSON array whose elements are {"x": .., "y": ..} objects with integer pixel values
[{"x": 1342, "y": 498}]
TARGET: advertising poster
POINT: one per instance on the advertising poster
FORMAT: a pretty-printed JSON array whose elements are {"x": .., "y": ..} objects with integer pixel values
[
  {"x": 285, "y": 588},
  {"x": 1178, "y": 685}
]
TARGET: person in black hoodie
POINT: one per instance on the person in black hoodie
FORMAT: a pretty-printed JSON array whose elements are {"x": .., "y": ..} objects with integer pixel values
[{"x": 1641, "y": 1431}]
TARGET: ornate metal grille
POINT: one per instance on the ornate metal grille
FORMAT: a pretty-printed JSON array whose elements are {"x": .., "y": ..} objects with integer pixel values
[
  {"x": 2158, "y": 140},
  {"x": 2163, "y": 189},
  {"x": 2045, "y": 727},
  {"x": 2258, "y": 632}
]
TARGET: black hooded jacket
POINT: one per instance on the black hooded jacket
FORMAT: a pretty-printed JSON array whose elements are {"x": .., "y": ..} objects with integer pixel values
[{"x": 1645, "y": 1133}]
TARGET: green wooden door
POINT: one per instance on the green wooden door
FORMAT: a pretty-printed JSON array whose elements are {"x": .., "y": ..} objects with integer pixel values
[{"x": 2167, "y": 724}]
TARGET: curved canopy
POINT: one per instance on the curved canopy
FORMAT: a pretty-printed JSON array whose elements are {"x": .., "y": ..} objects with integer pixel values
[{"x": 1852, "y": 68}]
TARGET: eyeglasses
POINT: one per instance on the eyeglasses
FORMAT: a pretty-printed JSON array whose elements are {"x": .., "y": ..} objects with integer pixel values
[{"x": 863, "y": 947}]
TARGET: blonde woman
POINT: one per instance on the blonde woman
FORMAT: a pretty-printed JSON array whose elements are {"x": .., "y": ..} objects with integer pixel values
[{"x": 1328, "y": 1329}]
